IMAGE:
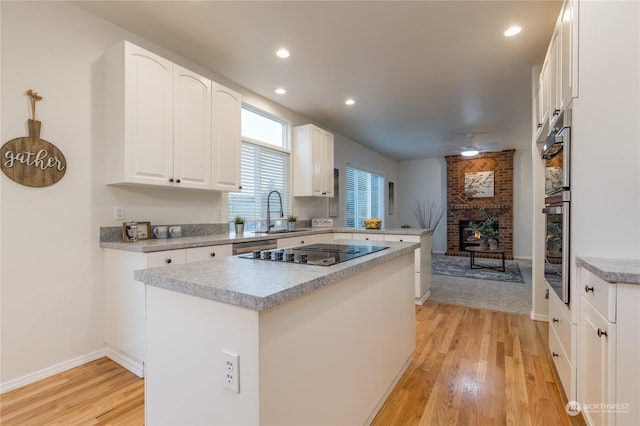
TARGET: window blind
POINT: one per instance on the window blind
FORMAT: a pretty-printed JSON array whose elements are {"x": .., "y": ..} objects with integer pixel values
[
  {"x": 262, "y": 170},
  {"x": 365, "y": 196}
]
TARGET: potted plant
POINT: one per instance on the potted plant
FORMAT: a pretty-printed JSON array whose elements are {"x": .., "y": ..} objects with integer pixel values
[
  {"x": 489, "y": 236},
  {"x": 554, "y": 238},
  {"x": 291, "y": 222},
  {"x": 239, "y": 221}
]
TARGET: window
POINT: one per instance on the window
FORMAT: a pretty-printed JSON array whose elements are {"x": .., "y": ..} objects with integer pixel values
[
  {"x": 365, "y": 196},
  {"x": 265, "y": 166}
]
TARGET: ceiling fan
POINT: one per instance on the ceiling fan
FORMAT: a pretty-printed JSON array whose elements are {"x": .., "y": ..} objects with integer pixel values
[{"x": 470, "y": 149}]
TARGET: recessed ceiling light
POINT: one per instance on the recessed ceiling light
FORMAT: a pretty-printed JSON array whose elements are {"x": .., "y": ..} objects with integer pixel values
[
  {"x": 511, "y": 31},
  {"x": 349, "y": 102},
  {"x": 470, "y": 152},
  {"x": 280, "y": 91},
  {"x": 283, "y": 53}
]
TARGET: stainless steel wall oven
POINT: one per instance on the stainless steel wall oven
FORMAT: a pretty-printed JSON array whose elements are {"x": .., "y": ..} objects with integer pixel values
[{"x": 557, "y": 155}]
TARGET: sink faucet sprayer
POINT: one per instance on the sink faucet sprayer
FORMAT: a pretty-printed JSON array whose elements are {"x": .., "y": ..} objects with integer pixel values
[{"x": 269, "y": 225}]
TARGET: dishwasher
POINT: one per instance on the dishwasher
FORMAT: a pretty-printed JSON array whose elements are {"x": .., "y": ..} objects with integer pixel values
[{"x": 250, "y": 246}]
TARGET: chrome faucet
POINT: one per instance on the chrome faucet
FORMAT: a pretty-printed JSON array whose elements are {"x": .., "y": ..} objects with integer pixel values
[{"x": 269, "y": 225}]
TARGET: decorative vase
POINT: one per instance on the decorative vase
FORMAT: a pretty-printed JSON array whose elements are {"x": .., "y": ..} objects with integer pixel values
[
  {"x": 484, "y": 245},
  {"x": 291, "y": 226},
  {"x": 239, "y": 228},
  {"x": 493, "y": 244}
]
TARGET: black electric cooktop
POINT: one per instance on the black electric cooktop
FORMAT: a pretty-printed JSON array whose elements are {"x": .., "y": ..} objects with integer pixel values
[{"x": 314, "y": 254}]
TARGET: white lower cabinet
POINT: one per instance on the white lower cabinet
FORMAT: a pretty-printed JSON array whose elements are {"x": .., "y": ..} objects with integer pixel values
[
  {"x": 609, "y": 351},
  {"x": 562, "y": 344},
  {"x": 125, "y": 309},
  {"x": 196, "y": 254},
  {"x": 422, "y": 257}
]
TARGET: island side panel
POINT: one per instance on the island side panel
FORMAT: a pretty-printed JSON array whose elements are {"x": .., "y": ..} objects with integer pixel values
[
  {"x": 332, "y": 356},
  {"x": 186, "y": 336}
]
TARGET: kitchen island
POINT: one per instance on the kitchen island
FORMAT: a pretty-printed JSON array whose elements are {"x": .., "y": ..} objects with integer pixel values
[{"x": 316, "y": 344}]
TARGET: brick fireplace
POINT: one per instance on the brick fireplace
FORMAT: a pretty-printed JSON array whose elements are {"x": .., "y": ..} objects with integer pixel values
[{"x": 462, "y": 207}]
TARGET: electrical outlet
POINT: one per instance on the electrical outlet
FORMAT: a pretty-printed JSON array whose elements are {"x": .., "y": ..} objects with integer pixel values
[
  {"x": 231, "y": 369},
  {"x": 118, "y": 213}
]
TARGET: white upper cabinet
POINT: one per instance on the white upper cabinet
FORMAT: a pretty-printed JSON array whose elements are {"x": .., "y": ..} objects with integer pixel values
[
  {"x": 226, "y": 138},
  {"x": 139, "y": 116},
  {"x": 312, "y": 162},
  {"x": 568, "y": 56},
  {"x": 191, "y": 129},
  {"x": 167, "y": 125},
  {"x": 558, "y": 81}
]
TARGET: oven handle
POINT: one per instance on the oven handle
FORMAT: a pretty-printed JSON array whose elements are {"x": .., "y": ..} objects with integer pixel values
[{"x": 553, "y": 210}]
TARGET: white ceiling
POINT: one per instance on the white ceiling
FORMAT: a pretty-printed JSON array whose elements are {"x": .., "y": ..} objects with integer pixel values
[{"x": 423, "y": 73}]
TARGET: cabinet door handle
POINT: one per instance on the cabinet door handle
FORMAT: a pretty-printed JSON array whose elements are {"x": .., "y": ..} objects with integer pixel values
[
  {"x": 588, "y": 289},
  {"x": 168, "y": 260},
  {"x": 539, "y": 125},
  {"x": 555, "y": 320},
  {"x": 171, "y": 180},
  {"x": 177, "y": 180},
  {"x": 213, "y": 254},
  {"x": 555, "y": 355},
  {"x": 602, "y": 333},
  {"x": 556, "y": 112}
]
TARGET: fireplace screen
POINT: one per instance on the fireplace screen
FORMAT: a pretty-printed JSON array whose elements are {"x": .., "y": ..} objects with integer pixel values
[{"x": 467, "y": 236}]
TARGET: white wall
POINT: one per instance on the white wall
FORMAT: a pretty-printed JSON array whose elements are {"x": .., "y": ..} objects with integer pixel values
[
  {"x": 605, "y": 200},
  {"x": 425, "y": 181},
  {"x": 51, "y": 264}
]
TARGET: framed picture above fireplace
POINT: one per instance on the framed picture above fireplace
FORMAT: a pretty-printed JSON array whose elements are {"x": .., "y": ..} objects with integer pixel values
[{"x": 479, "y": 184}]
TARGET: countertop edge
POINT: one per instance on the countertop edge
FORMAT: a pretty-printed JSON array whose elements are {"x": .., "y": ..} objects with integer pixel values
[
  {"x": 157, "y": 277},
  {"x": 623, "y": 271}
]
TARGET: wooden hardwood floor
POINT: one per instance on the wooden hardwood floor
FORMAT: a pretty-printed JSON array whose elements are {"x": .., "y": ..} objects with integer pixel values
[
  {"x": 98, "y": 393},
  {"x": 470, "y": 367}
]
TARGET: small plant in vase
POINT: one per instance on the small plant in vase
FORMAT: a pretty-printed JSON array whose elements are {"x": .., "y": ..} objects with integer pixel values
[
  {"x": 291, "y": 222},
  {"x": 488, "y": 235},
  {"x": 239, "y": 221}
]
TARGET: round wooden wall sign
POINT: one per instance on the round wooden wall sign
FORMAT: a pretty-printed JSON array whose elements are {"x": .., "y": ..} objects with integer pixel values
[{"x": 32, "y": 161}]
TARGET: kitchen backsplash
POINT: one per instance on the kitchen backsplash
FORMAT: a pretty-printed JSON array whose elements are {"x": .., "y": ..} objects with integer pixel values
[{"x": 114, "y": 233}]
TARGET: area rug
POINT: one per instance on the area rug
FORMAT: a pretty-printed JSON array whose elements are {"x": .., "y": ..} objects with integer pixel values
[{"x": 459, "y": 267}]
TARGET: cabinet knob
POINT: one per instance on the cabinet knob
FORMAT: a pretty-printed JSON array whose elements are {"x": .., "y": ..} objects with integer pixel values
[
  {"x": 556, "y": 112},
  {"x": 555, "y": 320},
  {"x": 177, "y": 180},
  {"x": 588, "y": 289},
  {"x": 602, "y": 333},
  {"x": 240, "y": 187},
  {"x": 539, "y": 125},
  {"x": 213, "y": 254},
  {"x": 555, "y": 355},
  {"x": 171, "y": 180},
  {"x": 301, "y": 241},
  {"x": 168, "y": 260},
  {"x": 402, "y": 241}
]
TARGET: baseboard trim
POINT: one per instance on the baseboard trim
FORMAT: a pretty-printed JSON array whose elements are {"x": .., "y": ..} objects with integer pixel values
[
  {"x": 424, "y": 298},
  {"x": 50, "y": 371},
  {"x": 390, "y": 389},
  {"x": 132, "y": 364},
  {"x": 537, "y": 317}
]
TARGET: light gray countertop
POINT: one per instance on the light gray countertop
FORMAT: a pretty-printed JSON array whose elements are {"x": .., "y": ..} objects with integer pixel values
[
  {"x": 152, "y": 245},
  {"x": 625, "y": 271},
  {"x": 261, "y": 285}
]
